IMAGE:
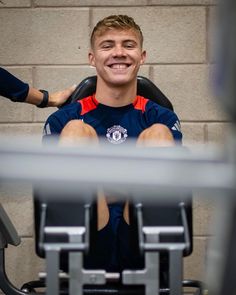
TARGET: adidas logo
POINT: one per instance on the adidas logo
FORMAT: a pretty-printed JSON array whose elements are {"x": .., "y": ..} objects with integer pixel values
[
  {"x": 177, "y": 126},
  {"x": 47, "y": 130}
]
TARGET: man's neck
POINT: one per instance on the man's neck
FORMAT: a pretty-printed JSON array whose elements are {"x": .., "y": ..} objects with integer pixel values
[{"x": 116, "y": 96}]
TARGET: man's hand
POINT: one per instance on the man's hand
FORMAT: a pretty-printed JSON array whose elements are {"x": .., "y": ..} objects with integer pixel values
[{"x": 56, "y": 99}]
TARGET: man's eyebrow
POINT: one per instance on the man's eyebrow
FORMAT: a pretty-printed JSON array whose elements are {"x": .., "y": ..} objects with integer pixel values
[
  {"x": 130, "y": 41},
  {"x": 113, "y": 41},
  {"x": 106, "y": 41}
]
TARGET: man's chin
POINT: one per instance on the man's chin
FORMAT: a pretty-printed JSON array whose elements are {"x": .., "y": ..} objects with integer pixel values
[
  {"x": 119, "y": 84},
  {"x": 120, "y": 81}
]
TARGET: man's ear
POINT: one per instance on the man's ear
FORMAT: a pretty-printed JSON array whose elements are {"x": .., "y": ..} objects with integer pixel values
[
  {"x": 91, "y": 59},
  {"x": 143, "y": 57}
]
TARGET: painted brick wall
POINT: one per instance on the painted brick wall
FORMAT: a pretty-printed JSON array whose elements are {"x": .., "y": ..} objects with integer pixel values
[{"x": 45, "y": 43}]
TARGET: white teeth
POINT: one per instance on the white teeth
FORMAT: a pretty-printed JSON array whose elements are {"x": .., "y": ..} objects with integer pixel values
[{"x": 119, "y": 66}]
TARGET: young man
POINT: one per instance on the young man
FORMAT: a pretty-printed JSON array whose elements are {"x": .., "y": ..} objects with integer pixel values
[{"x": 116, "y": 113}]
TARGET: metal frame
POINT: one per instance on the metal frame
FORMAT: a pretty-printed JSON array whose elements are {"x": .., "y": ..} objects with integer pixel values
[
  {"x": 212, "y": 171},
  {"x": 77, "y": 245},
  {"x": 149, "y": 242}
]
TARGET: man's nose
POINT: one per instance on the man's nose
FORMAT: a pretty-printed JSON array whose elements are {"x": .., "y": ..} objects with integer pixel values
[{"x": 119, "y": 51}]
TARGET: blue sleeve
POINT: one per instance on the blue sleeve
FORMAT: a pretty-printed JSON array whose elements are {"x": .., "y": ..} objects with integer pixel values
[
  {"x": 162, "y": 115},
  {"x": 11, "y": 87},
  {"x": 58, "y": 120}
]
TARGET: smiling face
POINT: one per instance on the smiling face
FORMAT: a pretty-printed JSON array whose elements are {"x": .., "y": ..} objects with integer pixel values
[{"x": 117, "y": 55}]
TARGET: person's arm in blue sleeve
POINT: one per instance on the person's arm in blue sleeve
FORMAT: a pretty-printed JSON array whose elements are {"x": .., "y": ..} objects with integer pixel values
[
  {"x": 52, "y": 129},
  {"x": 162, "y": 115},
  {"x": 16, "y": 90},
  {"x": 174, "y": 125},
  {"x": 57, "y": 121},
  {"x": 11, "y": 87}
]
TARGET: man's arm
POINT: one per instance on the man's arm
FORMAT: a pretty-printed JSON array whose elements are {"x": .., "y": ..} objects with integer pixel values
[
  {"x": 161, "y": 115},
  {"x": 54, "y": 99},
  {"x": 13, "y": 88},
  {"x": 59, "y": 119}
]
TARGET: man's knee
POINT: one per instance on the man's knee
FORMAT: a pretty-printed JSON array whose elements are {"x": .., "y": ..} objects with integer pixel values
[
  {"x": 74, "y": 126},
  {"x": 156, "y": 135},
  {"x": 160, "y": 130},
  {"x": 77, "y": 129}
]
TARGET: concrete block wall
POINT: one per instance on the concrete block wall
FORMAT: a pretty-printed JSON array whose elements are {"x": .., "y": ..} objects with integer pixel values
[{"x": 45, "y": 42}]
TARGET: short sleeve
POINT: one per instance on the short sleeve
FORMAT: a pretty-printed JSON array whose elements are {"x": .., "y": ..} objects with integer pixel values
[
  {"x": 162, "y": 115},
  {"x": 58, "y": 120}
]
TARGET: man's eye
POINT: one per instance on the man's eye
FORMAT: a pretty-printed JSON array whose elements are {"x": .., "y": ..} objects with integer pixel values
[
  {"x": 129, "y": 45},
  {"x": 106, "y": 46}
]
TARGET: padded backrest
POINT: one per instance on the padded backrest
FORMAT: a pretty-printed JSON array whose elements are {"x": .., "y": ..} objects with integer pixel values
[{"x": 145, "y": 88}]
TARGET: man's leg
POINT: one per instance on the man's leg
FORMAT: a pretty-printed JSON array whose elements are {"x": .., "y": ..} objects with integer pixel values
[
  {"x": 157, "y": 135},
  {"x": 78, "y": 133}
]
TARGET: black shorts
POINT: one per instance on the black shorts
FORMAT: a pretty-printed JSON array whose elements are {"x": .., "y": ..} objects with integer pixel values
[{"x": 113, "y": 248}]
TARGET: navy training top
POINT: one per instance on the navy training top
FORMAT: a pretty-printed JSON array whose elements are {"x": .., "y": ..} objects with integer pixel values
[{"x": 116, "y": 124}]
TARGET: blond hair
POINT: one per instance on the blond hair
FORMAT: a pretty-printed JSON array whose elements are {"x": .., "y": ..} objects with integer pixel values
[{"x": 119, "y": 22}]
